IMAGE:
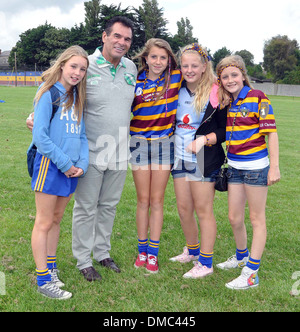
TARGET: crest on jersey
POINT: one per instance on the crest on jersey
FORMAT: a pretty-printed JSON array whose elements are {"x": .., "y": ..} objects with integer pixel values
[
  {"x": 139, "y": 91},
  {"x": 244, "y": 111},
  {"x": 264, "y": 110}
]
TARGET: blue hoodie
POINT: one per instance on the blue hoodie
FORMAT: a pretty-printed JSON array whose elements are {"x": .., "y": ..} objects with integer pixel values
[{"x": 62, "y": 141}]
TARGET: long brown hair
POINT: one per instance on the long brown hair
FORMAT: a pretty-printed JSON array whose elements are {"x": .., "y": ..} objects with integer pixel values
[
  {"x": 53, "y": 74},
  {"x": 172, "y": 63}
]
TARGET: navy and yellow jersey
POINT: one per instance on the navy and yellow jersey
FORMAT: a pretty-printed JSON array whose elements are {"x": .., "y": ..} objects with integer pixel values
[
  {"x": 151, "y": 117},
  {"x": 254, "y": 119}
]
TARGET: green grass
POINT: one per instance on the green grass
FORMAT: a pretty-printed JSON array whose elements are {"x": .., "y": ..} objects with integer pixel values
[{"x": 134, "y": 290}]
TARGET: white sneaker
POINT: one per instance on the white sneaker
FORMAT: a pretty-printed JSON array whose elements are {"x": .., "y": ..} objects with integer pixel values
[
  {"x": 55, "y": 279},
  {"x": 198, "y": 271},
  {"x": 233, "y": 263},
  {"x": 51, "y": 290},
  {"x": 185, "y": 257},
  {"x": 247, "y": 279}
]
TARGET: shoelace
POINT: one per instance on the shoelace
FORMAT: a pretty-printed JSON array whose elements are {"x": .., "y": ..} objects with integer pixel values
[
  {"x": 54, "y": 275},
  {"x": 51, "y": 286},
  {"x": 142, "y": 257},
  {"x": 184, "y": 255},
  {"x": 232, "y": 258},
  {"x": 152, "y": 261},
  {"x": 197, "y": 264}
]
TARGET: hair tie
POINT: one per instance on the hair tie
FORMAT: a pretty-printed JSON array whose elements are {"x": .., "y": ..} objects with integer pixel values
[{"x": 197, "y": 48}]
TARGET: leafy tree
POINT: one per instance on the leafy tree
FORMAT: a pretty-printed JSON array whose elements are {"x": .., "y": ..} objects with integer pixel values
[
  {"x": 55, "y": 42},
  {"x": 151, "y": 21},
  {"x": 29, "y": 46},
  {"x": 92, "y": 25},
  {"x": 184, "y": 35},
  {"x": 280, "y": 56},
  {"x": 256, "y": 71},
  {"x": 108, "y": 12},
  {"x": 247, "y": 56},
  {"x": 220, "y": 54},
  {"x": 293, "y": 77},
  {"x": 78, "y": 35},
  {"x": 252, "y": 69}
]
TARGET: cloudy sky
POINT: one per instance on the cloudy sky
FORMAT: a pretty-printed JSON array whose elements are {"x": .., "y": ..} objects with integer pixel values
[{"x": 235, "y": 24}]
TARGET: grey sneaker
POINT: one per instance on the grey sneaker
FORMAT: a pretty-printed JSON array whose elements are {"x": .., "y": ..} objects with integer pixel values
[
  {"x": 51, "y": 291},
  {"x": 55, "y": 279}
]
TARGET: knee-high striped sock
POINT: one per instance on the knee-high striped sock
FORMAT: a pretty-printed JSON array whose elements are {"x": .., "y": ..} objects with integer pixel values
[
  {"x": 51, "y": 262},
  {"x": 153, "y": 247},
  {"x": 42, "y": 277},
  {"x": 194, "y": 249},
  {"x": 206, "y": 258},
  {"x": 253, "y": 263},
  {"x": 142, "y": 246}
]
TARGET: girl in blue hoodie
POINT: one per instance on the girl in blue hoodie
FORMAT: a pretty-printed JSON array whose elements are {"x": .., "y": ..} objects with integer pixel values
[{"x": 62, "y": 156}]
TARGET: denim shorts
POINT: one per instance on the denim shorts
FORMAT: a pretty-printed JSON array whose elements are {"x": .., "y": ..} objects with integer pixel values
[
  {"x": 256, "y": 177},
  {"x": 145, "y": 152},
  {"x": 192, "y": 171}
]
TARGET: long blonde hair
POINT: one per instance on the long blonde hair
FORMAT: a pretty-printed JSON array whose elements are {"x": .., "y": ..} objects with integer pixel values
[
  {"x": 205, "y": 84},
  {"x": 230, "y": 61},
  {"x": 172, "y": 63},
  {"x": 53, "y": 74}
]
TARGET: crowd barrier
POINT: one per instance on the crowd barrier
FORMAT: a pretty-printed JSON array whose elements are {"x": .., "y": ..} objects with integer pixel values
[{"x": 22, "y": 78}]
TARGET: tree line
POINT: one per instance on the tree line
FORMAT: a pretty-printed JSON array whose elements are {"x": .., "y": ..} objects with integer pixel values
[{"x": 38, "y": 46}]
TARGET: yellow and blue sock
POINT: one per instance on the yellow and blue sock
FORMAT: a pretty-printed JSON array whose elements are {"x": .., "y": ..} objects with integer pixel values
[
  {"x": 42, "y": 277},
  {"x": 142, "y": 246},
  {"x": 153, "y": 247},
  {"x": 253, "y": 263},
  {"x": 51, "y": 262},
  {"x": 206, "y": 258},
  {"x": 240, "y": 254},
  {"x": 194, "y": 249}
]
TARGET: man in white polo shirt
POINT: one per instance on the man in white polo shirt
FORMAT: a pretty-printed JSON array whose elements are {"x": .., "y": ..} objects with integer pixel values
[{"x": 110, "y": 90}]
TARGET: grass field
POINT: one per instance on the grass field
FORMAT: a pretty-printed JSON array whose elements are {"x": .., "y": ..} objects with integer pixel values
[{"x": 135, "y": 290}]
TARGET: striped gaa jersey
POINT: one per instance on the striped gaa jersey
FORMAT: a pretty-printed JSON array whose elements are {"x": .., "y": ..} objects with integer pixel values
[
  {"x": 154, "y": 118},
  {"x": 254, "y": 119}
]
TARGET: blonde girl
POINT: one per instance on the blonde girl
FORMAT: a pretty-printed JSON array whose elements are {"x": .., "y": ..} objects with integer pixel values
[
  {"x": 62, "y": 156},
  {"x": 200, "y": 130}
]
